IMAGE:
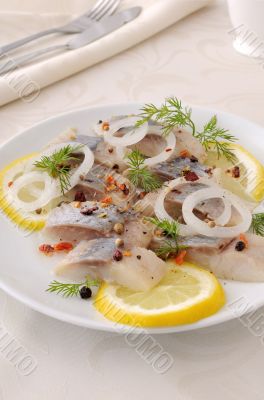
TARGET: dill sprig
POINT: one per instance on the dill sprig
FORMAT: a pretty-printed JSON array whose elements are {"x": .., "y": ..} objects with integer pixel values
[
  {"x": 139, "y": 174},
  {"x": 257, "y": 225},
  {"x": 170, "y": 114},
  {"x": 213, "y": 136},
  {"x": 171, "y": 231},
  {"x": 70, "y": 289},
  {"x": 57, "y": 165},
  {"x": 173, "y": 114}
]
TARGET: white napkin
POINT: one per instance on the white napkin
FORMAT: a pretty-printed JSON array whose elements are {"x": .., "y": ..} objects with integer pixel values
[{"x": 26, "y": 82}]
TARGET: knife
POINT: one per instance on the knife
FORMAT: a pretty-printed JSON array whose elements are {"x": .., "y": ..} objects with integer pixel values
[{"x": 96, "y": 31}]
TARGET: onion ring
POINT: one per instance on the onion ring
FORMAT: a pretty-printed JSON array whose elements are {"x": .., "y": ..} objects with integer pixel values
[
  {"x": 160, "y": 211},
  {"x": 134, "y": 135},
  {"x": 187, "y": 230},
  {"x": 49, "y": 191},
  {"x": 219, "y": 231},
  {"x": 161, "y": 157}
]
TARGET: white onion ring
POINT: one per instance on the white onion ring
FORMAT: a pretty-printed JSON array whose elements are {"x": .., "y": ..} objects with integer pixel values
[
  {"x": 83, "y": 168},
  {"x": 219, "y": 231},
  {"x": 49, "y": 191},
  {"x": 52, "y": 187},
  {"x": 187, "y": 230},
  {"x": 161, "y": 157},
  {"x": 160, "y": 211},
  {"x": 133, "y": 136}
]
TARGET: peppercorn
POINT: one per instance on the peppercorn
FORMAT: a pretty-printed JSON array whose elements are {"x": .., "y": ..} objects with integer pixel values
[
  {"x": 139, "y": 257},
  {"x": 80, "y": 196},
  {"x": 125, "y": 190},
  {"x": 118, "y": 255},
  {"x": 119, "y": 228},
  {"x": 88, "y": 211},
  {"x": 85, "y": 292},
  {"x": 193, "y": 159},
  {"x": 236, "y": 172},
  {"x": 190, "y": 176},
  {"x": 211, "y": 224},
  {"x": 240, "y": 246},
  {"x": 119, "y": 242}
]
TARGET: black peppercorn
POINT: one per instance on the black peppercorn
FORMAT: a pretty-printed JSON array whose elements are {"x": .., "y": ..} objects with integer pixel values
[
  {"x": 240, "y": 246},
  {"x": 193, "y": 159},
  {"x": 85, "y": 292}
]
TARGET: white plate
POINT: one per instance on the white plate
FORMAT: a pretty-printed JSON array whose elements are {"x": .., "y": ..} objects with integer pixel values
[{"x": 25, "y": 274}]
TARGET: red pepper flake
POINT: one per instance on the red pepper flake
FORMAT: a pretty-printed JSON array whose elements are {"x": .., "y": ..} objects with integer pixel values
[
  {"x": 190, "y": 176},
  {"x": 80, "y": 196},
  {"x": 107, "y": 200},
  {"x": 167, "y": 150},
  {"x": 124, "y": 188},
  {"x": 179, "y": 259},
  {"x": 127, "y": 253},
  {"x": 184, "y": 153},
  {"x": 142, "y": 195},
  {"x": 10, "y": 183},
  {"x": 63, "y": 246},
  {"x": 243, "y": 238},
  {"x": 236, "y": 171},
  {"x": 105, "y": 126},
  {"x": 46, "y": 249},
  {"x": 110, "y": 179}
]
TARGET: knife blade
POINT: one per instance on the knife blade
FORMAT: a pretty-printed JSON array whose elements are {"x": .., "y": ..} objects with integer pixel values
[{"x": 104, "y": 27}]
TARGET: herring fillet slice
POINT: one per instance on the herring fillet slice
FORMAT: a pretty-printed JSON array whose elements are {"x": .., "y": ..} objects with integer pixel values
[
  {"x": 68, "y": 223},
  {"x": 228, "y": 263},
  {"x": 140, "y": 271}
]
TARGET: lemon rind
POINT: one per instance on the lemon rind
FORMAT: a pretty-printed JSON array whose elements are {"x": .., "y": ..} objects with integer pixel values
[{"x": 187, "y": 315}]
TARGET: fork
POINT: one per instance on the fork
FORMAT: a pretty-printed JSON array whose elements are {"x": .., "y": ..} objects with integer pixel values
[{"x": 101, "y": 9}]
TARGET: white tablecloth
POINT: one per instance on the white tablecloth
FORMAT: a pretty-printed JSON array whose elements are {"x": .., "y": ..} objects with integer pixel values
[{"x": 194, "y": 60}]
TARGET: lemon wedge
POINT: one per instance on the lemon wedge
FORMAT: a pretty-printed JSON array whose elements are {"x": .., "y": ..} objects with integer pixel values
[
  {"x": 185, "y": 295},
  {"x": 250, "y": 183},
  {"x": 27, "y": 221}
]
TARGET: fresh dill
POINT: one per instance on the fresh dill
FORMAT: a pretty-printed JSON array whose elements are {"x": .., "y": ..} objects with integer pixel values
[
  {"x": 70, "y": 289},
  {"x": 171, "y": 232},
  {"x": 213, "y": 136},
  {"x": 139, "y": 174},
  {"x": 57, "y": 165},
  {"x": 257, "y": 225},
  {"x": 173, "y": 114}
]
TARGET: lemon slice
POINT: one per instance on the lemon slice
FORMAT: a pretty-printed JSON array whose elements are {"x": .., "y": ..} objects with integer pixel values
[
  {"x": 186, "y": 294},
  {"x": 28, "y": 221},
  {"x": 250, "y": 184}
]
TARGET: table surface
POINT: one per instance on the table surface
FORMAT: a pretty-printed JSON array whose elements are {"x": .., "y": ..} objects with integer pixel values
[{"x": 194, "y": 60}]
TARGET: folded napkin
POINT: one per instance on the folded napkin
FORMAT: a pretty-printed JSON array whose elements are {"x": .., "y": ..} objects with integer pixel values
[{"x": 18, "y": 19}]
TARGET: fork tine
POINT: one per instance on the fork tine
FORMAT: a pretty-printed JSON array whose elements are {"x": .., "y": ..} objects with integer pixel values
[
  {"x": 108, "y": 9},
  {"x": 98, "y": 7},
  {"x": 95, "y": 7}
]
